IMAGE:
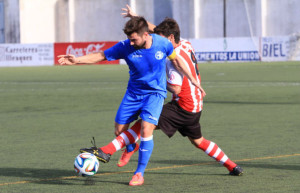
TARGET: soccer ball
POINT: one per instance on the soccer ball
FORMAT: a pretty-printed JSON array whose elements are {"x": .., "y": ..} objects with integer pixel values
[{"x": 86, "y": 164}]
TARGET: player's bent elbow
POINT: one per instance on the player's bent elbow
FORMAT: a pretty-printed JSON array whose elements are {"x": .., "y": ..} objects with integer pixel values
[{"x": 175, "y": 89}]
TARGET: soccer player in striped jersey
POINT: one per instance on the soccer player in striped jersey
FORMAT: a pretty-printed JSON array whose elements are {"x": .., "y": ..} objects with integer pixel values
[{"x": 184, "y": 111}]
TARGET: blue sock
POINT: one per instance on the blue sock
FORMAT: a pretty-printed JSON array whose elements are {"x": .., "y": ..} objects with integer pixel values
[
  {"x": 145, "y": 151},
  {"x": 130, "y": 147}
]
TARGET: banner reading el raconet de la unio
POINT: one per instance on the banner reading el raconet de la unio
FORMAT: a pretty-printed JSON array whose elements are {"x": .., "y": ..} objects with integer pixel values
[{"x": 81, "y": 49}]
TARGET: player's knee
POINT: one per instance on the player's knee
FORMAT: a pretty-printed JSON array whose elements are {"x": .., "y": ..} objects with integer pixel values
[
  {"x": 147, "y": 129},
  {"x": 196, "y": 142},
  {"x": 119, "y": 128}
]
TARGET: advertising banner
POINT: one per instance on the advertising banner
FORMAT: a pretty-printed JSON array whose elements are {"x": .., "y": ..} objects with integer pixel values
[
  {"x": 226, "y": 49},
  {"x": 275, "y": 48},
  {"x": 26, "y": 55},
  {"x": 81, "y": 49}
]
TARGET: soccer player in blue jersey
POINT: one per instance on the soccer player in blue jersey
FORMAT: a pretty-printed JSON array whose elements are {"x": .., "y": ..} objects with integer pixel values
[{"x": 145, "y": 55}]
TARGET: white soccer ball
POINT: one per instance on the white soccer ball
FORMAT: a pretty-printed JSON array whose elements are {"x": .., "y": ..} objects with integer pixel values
[{"x": 86, "y": 164}]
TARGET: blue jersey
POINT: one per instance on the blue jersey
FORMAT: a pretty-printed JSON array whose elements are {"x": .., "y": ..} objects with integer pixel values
[{"x": 147, "y": 67}]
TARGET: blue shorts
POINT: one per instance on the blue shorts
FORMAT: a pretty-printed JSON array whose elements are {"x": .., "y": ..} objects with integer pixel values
[{"x": 148, "y": 107}]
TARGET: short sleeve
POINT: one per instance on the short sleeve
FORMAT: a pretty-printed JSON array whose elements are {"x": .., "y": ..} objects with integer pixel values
[
  {"x": 115, "y": 52},
  {"x": 172, "y": 56},
  {"x": 170, "y": 51}
]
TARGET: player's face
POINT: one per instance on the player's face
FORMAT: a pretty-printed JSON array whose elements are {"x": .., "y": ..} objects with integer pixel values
[{"x": 137, "y": 41}]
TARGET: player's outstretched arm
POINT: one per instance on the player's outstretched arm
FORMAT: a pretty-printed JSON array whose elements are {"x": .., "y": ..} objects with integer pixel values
[
  {"x": 128, "y": 12},
  {"x": 87, "y": 59}
]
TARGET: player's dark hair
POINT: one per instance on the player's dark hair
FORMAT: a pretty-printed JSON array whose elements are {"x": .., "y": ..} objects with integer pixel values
[
  {"x": 167, "y": 27},
  {"x": 136, "y": 24}
]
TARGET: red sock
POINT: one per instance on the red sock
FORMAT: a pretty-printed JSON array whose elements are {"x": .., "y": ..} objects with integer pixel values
[
  {"x": 127, "y": 137},
  {"x": 212, "y": 149}
]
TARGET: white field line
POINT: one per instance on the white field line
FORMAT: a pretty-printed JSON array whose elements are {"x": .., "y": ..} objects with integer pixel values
[
  {"x": 58, "y": 86},
  {"x": 225, "y": 83},
  {"x": 55, "y": 83},
  {"x": 250, "y": 84},
  {"x": 116, "y": 85}
]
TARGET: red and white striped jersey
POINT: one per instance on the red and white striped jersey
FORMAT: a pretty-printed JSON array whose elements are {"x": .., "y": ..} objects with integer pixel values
[{"x": 190, "y": 98}]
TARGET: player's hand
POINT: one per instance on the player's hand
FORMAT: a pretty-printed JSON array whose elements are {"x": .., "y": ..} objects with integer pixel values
[
  {"x": 195, "y": 83},
  {"x": 66, "y": 59},
  {"x": 202, "y": 91},
  {"x": 127, "y": 12},
  {"x": 200, "y": 88}
]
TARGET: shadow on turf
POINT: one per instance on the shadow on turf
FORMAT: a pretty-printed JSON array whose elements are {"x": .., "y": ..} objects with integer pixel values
[
  {"x": 52, "y": 176},
  {"x": 243, "y": 164},
  {"x": 35, "y": 173},
  {"x": 178, "y": 162}
]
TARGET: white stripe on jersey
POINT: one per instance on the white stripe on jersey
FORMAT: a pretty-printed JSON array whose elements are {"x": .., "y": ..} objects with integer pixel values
[{"x": 192, "y": 87}]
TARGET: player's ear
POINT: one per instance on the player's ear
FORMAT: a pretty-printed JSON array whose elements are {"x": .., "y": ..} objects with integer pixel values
[
  {"x": 145, "y": 35},
  {"x": 171, "y": 38}
]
